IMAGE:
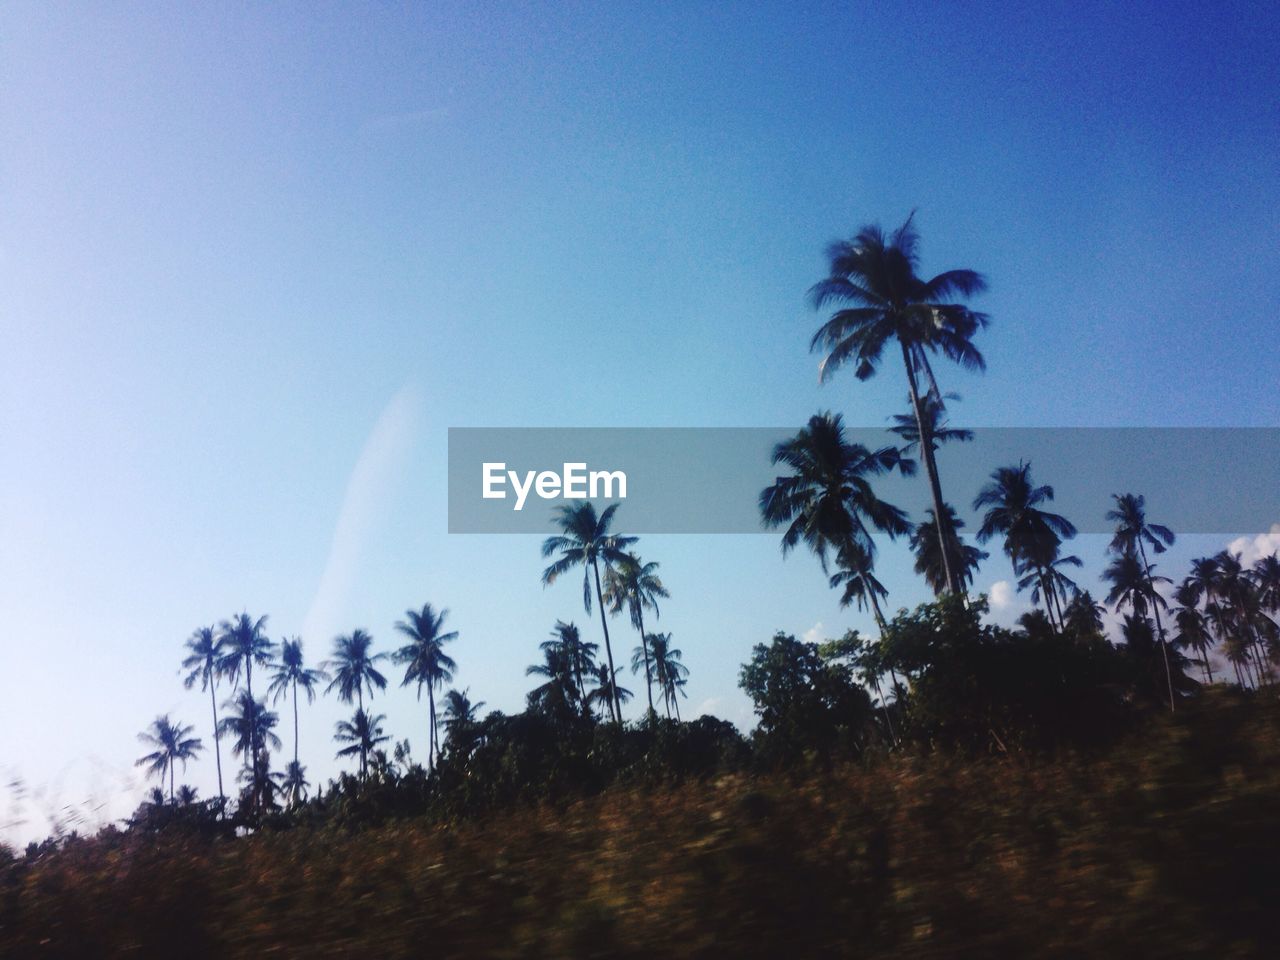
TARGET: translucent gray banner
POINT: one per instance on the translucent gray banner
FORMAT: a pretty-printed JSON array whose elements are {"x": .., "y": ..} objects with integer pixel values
[{"x": 708, "y": 479}]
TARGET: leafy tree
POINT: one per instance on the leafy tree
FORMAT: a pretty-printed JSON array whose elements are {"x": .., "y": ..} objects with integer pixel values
[
  {"x": 425, "y": 661},
  {"x": 354, "y": 669},
  {"x": 363, "y": 733},
  {"x": 585, "y": 541},
  {"x": 802, "y": 699},
  {"x": 637, "y": 586},
  {"x": 173, "y": 745},
  {"x": 883, "y": 300},
  {"x": 1032, "y": 536},
  {"x": 827, "y": 501},
  {"x": 292, "y": 673},
  {"x": 1133, "y": 534},
  {"x": 204, "y": 656}
]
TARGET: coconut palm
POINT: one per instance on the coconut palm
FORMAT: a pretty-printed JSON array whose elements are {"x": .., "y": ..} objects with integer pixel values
[
  {"x": 1134, "y": 533},
  {"x": 244, "y": 643},
  {"x": 607, "y": 690},
  {"x": 1193, "y": 627},
  {"x": 294, "y": 783},
  {"x": 559, "y": 696},
  {"x": 827, "y": 502},
  {"x": 173, "y": 744},
  {"x": 670, "y": 672},
  {"x": 637, "y": 586},
  {"x": 963, "y": 559},
  {"x": 1266, "y": 576},
  {"x": 1061, "y": 587},
  {"x": 585, "y": 541},
  {"x": 1032, "y": 537},
  {"x": 251, "y": 727},
  {"x": 1133, "y": 583},
  {"x": 204, "y": 654},
  {"x": 581, "y": 654},
  {"x": 364, "y": 733},
  {"x": 882, "y": 300},
  {"x": 425, "y": 661},
  {"x": 353, "y": 667},
  {"x": 292, "y": 673},
  {"x": 1083, "y": 615},
  {"x": 461, "y": 722},
  {"x": 1238, "y": 595}
]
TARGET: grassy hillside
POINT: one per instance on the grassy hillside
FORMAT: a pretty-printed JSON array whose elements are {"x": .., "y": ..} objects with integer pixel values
[{"x": 1166, "y": 845}]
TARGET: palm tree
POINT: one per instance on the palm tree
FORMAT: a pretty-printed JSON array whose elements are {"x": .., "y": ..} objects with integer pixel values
[
  {"x": 636, "y": 585},
  {"x": 1266, "y": 576},
  {"x": 1083, "y": 615},
  {"x": 585, "y": 541},
  {"x": 1134, "y": 584},
  {"x": 581, "y": 654},
  {"x": 204, "y": 655},
  {"x": 558, "y": 697},
  {"x": 827, "y": 501},
  {"x": 1133, "y": 534},
  {"x": 244, "y": 643},
  {"x": 363, "y": 732},
  {"x": 295, "y": 784},
  {"x": 883, "y": 299},
  {"x": 173, "y": 743},
  {"x": 1239, "y": 595},
  {"x": 353, "y": 667},
  {"x": 607, "y": 691},
  {"x": 1031, "y": 536},
  {"x": 291, "y": 673},
  {"x": 671, "y": 673},
  {"x": 964, "y": 559},
  {"x": 1193, "y": 627},
  {"x": 426, "y": 662},
  {"x": 461, "y": 722},
  {"x": 1061, "y": 587},
  {"x": 251, "y": 728}
]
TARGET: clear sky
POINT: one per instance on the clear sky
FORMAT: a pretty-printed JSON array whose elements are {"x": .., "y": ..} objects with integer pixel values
[{"x": 254, "y": 262}]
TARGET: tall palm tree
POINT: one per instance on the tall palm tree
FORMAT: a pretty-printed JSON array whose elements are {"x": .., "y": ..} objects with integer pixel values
[
  {"x": 927, "y": 547},
  {"x": 244, "y": 643},
  {"x": 882, "y": 299},
  {"x": 353, "y": 667},
  {"x": 585, "y": 541},
  {"x": 1032, "y": 536},
  {"x": 1239, "y": 595},
  {"x": 1193, "y": 627},
  {"x": 1061, "y": 587},
  {"x": 363, "y": 732},
  {"x": 1083, "y": 615},
  {"x": 173, "y": 745},
  {"x": 855, "y": 573},
  {"x": 251, "y": 727},
  {"x": 204, "y": 654},
  {"x": 292, "y": 673},
  {"x": 425, "y": 661},
  {"x": 581, "y": 654},
  {"x": 671, "y": 673},
  {"x": 1133, "y": 534},
  {"x": 827, "y": 502},
  {"x": 636, "y": 585}
]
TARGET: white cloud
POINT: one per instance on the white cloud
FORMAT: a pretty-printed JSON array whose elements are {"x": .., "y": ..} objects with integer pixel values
[
  {"x": 1000, "y": 596},
  {"x": 709, "y": 705},
  {"x": 1252, "y": 549},
  {"x": 814, "y": 634}
]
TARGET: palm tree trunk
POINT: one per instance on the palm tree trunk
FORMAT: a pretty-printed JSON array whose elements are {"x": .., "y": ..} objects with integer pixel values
[
  {"x": 1047, "y": 591},
  {"x": 648, "y": 677},
  {"x": 1155, "y": 608},
  {"x": 171, "y": 779},
  {"x": 217, "y": 749},
  {"x": 608, "y": 648},
  {"x": 295, "y": 721},
  {"x": 431, "y": 736},
  {"x": 931, "y": 468}
]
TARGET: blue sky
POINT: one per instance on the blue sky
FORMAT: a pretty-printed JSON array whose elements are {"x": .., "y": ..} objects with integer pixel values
[{"x": 254, "y": 262}]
